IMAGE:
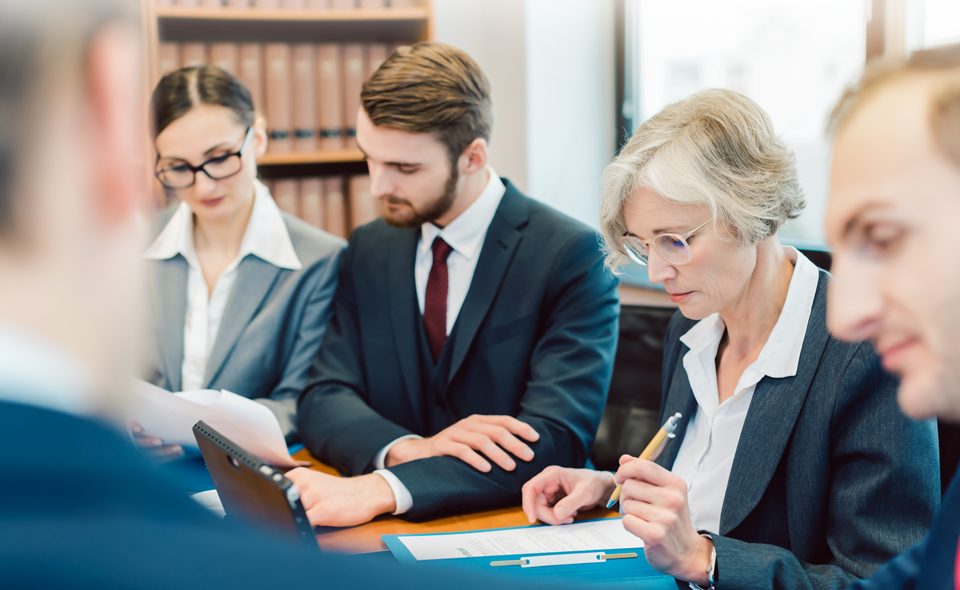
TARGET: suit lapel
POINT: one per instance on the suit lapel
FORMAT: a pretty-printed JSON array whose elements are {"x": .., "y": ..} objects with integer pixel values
[
  {"x": 498, "y": 249},
  {"x": 402, "y": 295},
  {"x": 770, "y": 422},
  {"x": 170, "y": 310},
  {"x": 255, "y": 278},
  {"x": 679, "y": 399}
]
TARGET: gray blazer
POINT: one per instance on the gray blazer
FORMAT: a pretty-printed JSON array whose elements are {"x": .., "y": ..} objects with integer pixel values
[
  {"x": 829, "y": 480},
  {"x": 272, "y": 325}
]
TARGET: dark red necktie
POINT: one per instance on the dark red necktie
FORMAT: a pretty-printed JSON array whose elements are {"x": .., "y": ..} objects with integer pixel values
[{"x": 435, "y": 300}]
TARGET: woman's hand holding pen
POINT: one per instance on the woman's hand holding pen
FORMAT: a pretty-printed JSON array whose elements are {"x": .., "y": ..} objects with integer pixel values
[
  {"x": 556, "y": 494},
  {"x": 654, "y": 503}
]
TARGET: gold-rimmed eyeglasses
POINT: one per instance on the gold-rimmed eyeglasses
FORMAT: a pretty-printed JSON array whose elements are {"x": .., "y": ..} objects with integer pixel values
[{"x": 672, "y": 247}]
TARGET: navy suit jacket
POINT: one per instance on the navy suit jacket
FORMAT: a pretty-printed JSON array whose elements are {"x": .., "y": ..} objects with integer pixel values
[
  {"x": 81, "y": 508},
  {"x": 830, "y": 480},
  {"x": 535, "y": 339},
  {"x": 928, "y": 565}
]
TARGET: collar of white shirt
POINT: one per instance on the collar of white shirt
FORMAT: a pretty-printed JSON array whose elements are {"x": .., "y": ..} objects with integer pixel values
[
  {"x": 465, "y": 234},
  {"x": 36, "y": 372},
  {"x": 266, "y": 235},
  {"x": 780, "y": 356}
]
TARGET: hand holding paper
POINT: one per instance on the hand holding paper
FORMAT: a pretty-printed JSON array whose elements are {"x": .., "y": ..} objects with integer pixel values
[{"x": 171, "y": 416}]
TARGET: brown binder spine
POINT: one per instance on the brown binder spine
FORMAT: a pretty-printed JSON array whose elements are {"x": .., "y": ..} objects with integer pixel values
[
  {"x": 318, "y": 4},
  {"x": 188, "y": 2},
  {"x": 363, "y": 207},
  {"x": 238, "y": 3},
  {"x": 278, "y": 97},
  {"x": 330, "y": 96},
  {"x": 211, "y": 3},
  {"x": 312, "y": 206},
  {"x": 376, "y": 55},
  {"x": 267, "y": 4},
  {"x": 226, "y": 56},
  {"x": 168, "y": 57},
  {"x": 353, "y": 78},
  {"x": 336, "y": 216},
  {"x": 251, "y": 73},
  {"x": 193, "y": 54},
  {"x": 372, "y": 4},
  {"x": 294, "y": 4},
  {"x": 285, "y": 194},
  {"x": 402, "y": 3},
  {"x": 304, "y": 98},
  {"x": 344, "y": 4}
]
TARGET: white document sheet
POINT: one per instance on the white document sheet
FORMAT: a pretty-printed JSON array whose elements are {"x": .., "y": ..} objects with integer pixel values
[
  {"x": 594, "y": 535},
  {"x": 249, "y": 425}
]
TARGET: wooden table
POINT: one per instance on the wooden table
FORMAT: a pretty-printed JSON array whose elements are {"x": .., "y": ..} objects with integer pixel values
[{"x": 366, "y": 537}]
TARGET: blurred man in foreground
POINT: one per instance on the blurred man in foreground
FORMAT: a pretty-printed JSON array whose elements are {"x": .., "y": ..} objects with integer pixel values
[
  {"x": 892, "y": 221},
  {"x": 79, "y": 507}
]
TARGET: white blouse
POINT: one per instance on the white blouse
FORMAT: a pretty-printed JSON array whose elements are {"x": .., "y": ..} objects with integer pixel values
[
  {"x": 710, "y": 443},
  {"x": 265, "y": 237}
]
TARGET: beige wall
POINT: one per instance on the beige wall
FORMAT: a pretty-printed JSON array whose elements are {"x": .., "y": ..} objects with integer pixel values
[{"x": 551, "y": 65}]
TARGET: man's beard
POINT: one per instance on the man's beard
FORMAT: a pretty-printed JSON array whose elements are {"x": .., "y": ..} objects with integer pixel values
[{"x": 433, "y": 210}]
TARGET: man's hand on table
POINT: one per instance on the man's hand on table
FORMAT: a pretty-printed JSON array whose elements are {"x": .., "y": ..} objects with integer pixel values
[
  {"x": 342, "y": 501},
  {"x": 491, "y": 435}
]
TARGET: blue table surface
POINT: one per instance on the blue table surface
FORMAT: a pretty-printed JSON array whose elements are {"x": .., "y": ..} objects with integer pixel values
[{"x": 190, "y": 473}]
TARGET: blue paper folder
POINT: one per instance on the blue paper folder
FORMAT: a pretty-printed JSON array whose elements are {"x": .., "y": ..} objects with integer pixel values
[{"x": 633, "y": 573}]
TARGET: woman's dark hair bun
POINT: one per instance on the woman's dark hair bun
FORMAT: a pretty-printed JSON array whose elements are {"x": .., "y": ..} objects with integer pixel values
[{"x": 183, "y": 89}]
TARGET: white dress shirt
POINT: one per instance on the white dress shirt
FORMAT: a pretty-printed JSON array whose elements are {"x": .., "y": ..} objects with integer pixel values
[
  {"x": 710, "y": 443},
  {"x": 465, "y": 235},
  {"x": 265, "y": 237}
]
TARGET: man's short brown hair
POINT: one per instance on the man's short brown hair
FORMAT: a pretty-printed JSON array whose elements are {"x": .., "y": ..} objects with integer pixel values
[
  {"x": 431, "y": 88},
  {"x": 944, "y": 107}
]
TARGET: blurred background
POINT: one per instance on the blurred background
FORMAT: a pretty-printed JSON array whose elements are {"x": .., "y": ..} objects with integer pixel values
[{"x": 571, "y": 78}]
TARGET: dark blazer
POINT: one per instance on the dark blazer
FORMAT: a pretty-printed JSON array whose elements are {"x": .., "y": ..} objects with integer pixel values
[
  {"x": 535, "y": 339},
  {"x": 931, "y": 563},
  {"x": 830, "y": 479},
  {"x": 272, "y": 325},
  {"x": 80, "y": 508}
]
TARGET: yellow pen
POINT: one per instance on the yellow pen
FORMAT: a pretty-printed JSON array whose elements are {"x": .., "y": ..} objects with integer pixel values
[{"x": 653, "y": 449}]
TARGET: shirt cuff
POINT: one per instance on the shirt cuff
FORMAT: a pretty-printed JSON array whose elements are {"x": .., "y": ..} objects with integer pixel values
[
  {"x": 379, "y": 460},
  {"x": 401, "y": 494}
]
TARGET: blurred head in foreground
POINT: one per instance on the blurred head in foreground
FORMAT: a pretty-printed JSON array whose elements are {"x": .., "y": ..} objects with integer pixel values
[
  {"x": 72, "y": 180},
  {"x": 892, "y": 221}
]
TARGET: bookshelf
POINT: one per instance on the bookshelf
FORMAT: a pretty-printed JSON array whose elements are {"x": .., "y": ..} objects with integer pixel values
[
  {"x": 226, "y": 24},
  {"x": 419, "y": 14},
  {"x": 169, "y": 23}
]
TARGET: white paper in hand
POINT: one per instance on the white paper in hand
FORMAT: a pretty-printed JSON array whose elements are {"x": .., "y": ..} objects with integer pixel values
[{"x": 171, "y": 416}]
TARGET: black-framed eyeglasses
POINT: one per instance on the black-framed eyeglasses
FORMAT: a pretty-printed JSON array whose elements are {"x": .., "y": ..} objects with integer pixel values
[
  {"x": 672, "y": 247},
  {"x": 183, "y": 175}
]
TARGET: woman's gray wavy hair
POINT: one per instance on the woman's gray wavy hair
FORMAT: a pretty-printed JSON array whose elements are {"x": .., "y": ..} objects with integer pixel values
[{"x": 716, "y": 148}]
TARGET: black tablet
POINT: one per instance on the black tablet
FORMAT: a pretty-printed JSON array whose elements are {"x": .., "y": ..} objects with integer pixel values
[{"x": 252, "y": 491}]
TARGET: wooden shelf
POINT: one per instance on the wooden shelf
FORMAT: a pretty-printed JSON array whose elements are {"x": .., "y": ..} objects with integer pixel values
[
  {"x": 318, "y": 157},
  {"x": 289, "y": 15}
]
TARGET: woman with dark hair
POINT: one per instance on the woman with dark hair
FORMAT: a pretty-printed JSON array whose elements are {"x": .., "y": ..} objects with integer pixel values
[{"x": 240, "y": 291}]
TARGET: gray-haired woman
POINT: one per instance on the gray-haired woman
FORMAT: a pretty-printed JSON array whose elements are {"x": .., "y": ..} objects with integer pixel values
[{"x": 793, "y": 467}]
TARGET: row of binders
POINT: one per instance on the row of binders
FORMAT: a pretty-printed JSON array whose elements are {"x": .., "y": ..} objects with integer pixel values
[
  {"x": 309, "y": 93},
  {"x": 294, "y": 4},
  {"x": 335, "y": 204}
]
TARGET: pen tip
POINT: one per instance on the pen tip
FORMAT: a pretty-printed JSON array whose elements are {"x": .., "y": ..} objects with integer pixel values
[{"x": 610, "y": 504}]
